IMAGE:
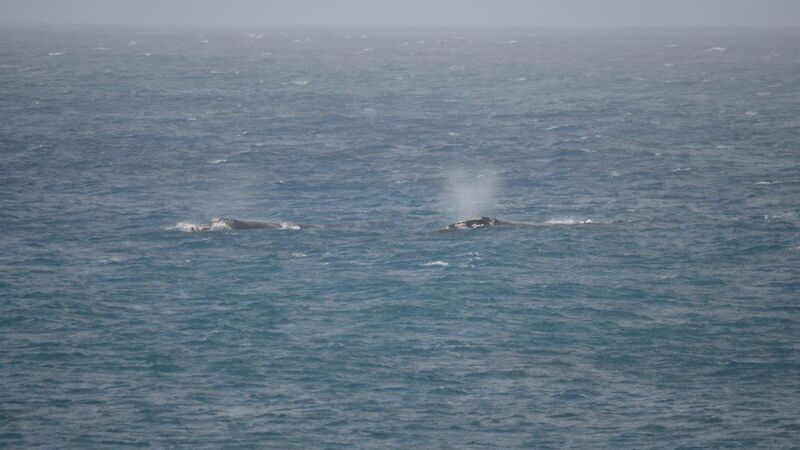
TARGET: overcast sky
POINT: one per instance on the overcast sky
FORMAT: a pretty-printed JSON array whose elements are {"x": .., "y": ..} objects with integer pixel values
[{"x": 407, "y": 12}]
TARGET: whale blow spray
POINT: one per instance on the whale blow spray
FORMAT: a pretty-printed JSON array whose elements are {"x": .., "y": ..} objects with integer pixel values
[{"x": 469, "y": 193}]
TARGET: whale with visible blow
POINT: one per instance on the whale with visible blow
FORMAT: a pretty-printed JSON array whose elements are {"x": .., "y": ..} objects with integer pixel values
[
  {"x": 475, "y": 222},
  {"x": 227, "y": 223},
  {"x": 481, "y": 222}
]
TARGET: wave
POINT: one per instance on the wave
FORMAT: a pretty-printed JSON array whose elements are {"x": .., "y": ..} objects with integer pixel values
[
  {"x": 568, "y": 221},
  {"x": 559, "y": 127},
  {"x": 437, "y": 263}
]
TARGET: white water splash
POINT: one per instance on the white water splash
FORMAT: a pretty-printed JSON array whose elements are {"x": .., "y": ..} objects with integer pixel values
[
  {"x": 568, "y": 221},
  {"x": 437, "y": 263}
]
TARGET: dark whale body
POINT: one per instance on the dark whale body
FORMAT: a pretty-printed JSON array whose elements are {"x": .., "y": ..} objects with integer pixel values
[
  {"x": 227, "y": 223},
  {"x": 475, "y": 222},
  {"x": 481, "y": 222}
]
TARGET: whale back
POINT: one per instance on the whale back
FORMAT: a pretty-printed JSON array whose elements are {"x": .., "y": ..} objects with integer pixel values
[{"x": 474, "y": 223}]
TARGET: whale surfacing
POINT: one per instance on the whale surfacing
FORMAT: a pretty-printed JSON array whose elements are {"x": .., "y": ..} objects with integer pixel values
[
  {"x": 474, "y": 223},
  {"x": 227, "y": 223}
]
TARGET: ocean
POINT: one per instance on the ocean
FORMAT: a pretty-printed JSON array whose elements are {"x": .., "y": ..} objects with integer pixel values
[{"x": 655, "y": 304}]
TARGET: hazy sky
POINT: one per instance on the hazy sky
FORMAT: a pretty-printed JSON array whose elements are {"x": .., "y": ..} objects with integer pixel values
[{"x": 407, "y": 12}]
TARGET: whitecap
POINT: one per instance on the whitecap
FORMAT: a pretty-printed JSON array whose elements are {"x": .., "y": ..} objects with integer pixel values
[
  {"x": 218, "y": 161},
  {"x": 54, "y": 54},
  {"x": 453, "y": 133},
  {"x": 112, "y": 259},
  {"x": 437, "y": 263},
  {"x": 558, "y": 127},
  {"x": 614, "y": 173},
  {"x": 300, "y": 82},
  {"x": 186, "y": 227},
  {"x": 750, "y": 113},
  {"x": 216, "y": 224},
  {"x": 299, "y": 254},
  {"x": 718, "y": 49},
  {"x": 568, "y": 221}
]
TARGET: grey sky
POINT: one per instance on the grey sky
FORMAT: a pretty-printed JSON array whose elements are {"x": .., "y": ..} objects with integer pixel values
[{"x": 407, "y": 12}]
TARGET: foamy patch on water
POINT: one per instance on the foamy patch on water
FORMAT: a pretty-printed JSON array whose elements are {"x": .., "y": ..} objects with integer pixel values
[
  {"x": 54, "y": 54},
  {"x": 215, "y": 225},
  {"x": 300, "y": 82},
  {"x": 437, "y": 263},
  {"x": 750, "y": 113},
  {"x": 568, "y": 221},
  {"x": 218, "y": 161},
  {"x": 299, "y": 254},
  {"x": 718, "y": 49},
  {"x": 186, "y": 227},
  {"x": 453, "y": 133}
]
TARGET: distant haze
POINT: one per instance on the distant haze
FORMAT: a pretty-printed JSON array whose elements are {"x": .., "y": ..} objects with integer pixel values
[{"x": 424, "y": 13}]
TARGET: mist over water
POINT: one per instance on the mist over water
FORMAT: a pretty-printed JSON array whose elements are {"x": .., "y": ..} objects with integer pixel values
[{"x": 470, "y": 192}]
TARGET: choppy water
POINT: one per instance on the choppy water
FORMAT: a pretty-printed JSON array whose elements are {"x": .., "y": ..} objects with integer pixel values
[{"x": 673, "y": 321}]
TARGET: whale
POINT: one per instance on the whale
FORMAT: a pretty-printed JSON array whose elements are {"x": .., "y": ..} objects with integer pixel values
[
  {"x": 475, "y": 223},
  {"x": 228, "y": 223},
  {"x": 483, "y": 222}
]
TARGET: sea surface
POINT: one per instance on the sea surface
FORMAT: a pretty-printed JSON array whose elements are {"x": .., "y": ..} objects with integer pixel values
[{"x": 656, "y": 304}]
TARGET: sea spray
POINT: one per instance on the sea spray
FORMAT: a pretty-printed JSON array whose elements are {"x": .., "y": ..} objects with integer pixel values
[{"x": 469, "y": 193}]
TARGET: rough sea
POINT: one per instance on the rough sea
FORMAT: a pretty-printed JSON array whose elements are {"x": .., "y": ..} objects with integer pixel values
[{"x": 656, "y": 304}]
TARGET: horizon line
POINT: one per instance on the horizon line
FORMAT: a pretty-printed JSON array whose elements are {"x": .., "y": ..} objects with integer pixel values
[{"x": 390, "y": 26}]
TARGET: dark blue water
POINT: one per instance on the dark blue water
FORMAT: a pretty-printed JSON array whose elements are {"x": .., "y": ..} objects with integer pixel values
[{"x": 671, "y": 320}]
